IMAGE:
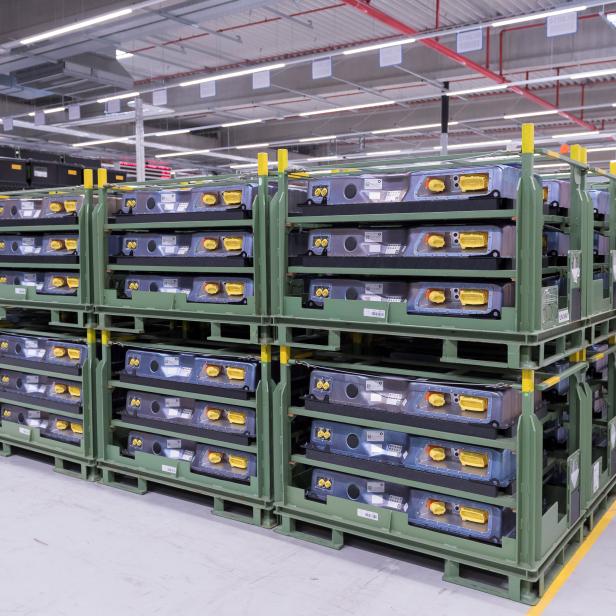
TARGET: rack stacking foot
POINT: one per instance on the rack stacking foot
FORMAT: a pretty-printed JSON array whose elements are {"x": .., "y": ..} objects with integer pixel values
[{"x": 447, "y": 382}]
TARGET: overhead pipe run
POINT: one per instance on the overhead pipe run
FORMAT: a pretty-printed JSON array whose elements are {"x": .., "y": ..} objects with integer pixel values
[{"x": 392, "y": 22}]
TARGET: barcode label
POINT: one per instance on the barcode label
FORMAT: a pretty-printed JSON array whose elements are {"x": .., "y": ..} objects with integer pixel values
[
  {"x": 375, "y": 436},
  {"x": 373, "y": 385},
  {"x": 170, "y": 360},
  {"x": 167, "y": 468},
  {"x": 373, "y": 236},
  {"x": 563, "y": 315},
  {"x": 373, "y": 183},
  {"x": 368, "y": 515},
  {"x": 374, "y": 313},
  {"x": 172, "y": 401},
  {"x": 375, "y": 487},
  {"x": 24, "y": 431},
  {"x": 20, "y": 291}
]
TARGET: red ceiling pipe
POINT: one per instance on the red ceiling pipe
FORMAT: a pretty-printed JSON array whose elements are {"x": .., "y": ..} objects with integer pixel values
[{"x": 392, "y": 22}]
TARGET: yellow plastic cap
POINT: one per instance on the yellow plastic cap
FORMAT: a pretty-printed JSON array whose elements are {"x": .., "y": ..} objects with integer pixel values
[
  {"x": 56, "y": 244},
  {"x": 74, "y": 390},
  {"x": 58, "y": 281},
  {"x": 211, "y": 288},
  {"x": 73, "y": 282},
  {"x": 213, "y": 414},
  {"x": 473, "y": 403},
  {"x": 437, "y": 454},
  {"x": 130, "y": 203},
  {"x": 435, "y": 240},
  {"x": 232, "y": 243},
  {"x": 70, "y": 206},
  {"x": 209, "y": 198},
  {"x": 59, "y": 388},
  {"x": 210, "y": 243},
  {"x": 136, "y": 442},
  {"x": 71, "y": 244},
  {"x": 437, "y": 507},
  {"x": 136, "y": 402},
  {"x": 234, "y": 289},
  {"x": 212, "y": 370},
  {"x": 62, "y": 424},
  {"x": 214, "y": 457},
  {"x": 74, "y": 353},
  {"x": 471, "y": 514},
  {"x": 474, "y": 297},
  {"x": 232, "y": 197},
  {"x": 238, "y": 461},
  {"x": 237, "y": 418},
  {"x": 56, "y": 207},
  {"x": 58, "y": 351},
  {"x": 436, "y": 398},
  {"x": 436, "y": 296},
  {"x": 474, "y": 182},
  {"x": 473, "y": 459},
  {"x": 478, "y": 239},
  {"x": 77, "y": 428},
  {"x": 435, "y": 185},
  {"x": 235, "y": 374}
]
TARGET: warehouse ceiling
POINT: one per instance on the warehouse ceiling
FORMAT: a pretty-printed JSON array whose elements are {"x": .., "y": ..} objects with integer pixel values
[{"x": 183, "y": 60}]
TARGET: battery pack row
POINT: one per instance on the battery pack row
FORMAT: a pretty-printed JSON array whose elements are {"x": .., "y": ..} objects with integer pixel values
[
  {"x": 45, "y": 283},
  {"x": 494, "y": 406},
  {"x": 37, "y": 389},
  {"x": 187, "y": 412},
  {"x": 557, "y": 195},
  {"x": 437, "y": 456},
  {"x": 42, "y": 350},
  {"x": 193, "y": 245},
  {"x": 45, "y": 245},
  {"x": 48, "y": 207},
  {"x": 204, "y": 459},
  {"x": 430, "y": 510},
  {"x": 55, "y": 427},
  {"x": 434, "y": 298},
  {"x": 198, "y": 289},
  {"x": 206, "y": 370}
]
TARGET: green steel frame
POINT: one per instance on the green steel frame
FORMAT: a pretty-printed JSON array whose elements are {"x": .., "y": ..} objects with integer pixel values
[
  {"x": 530, "y": 342},
  {"x": 524, "y": 565},
  {"x": 65, "y": 311},
  {"x": 148, "y": 305},
  {"x": 75, "y": 460},
  {"x": 255, "y": 498}
]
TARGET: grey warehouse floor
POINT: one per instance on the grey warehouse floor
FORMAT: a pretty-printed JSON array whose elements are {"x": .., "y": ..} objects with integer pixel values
[{"x": 70, "y": 548}]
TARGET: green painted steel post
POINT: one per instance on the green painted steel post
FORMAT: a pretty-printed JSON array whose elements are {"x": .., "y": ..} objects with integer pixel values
[
  {"x": 260, "y": 229},
  {"x": 529, "y": 488},
  {"x": 86, "y": 281},
  {"x": 104, "y": 411},
  {"x": 581, "y": 222},
  {"x": 281, "y": 428},
  {"x": 279, "y": 234},
  {"x": 530, "y": 233},
  {"x": 99, "y": 239}
]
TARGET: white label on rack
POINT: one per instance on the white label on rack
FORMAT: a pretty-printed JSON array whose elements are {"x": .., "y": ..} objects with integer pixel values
[
  {"x": 374, "y": 385},
  {"x": 24, "y": 431},
  {"x": 596, "y": 476},
  {"x": 171, "y": 360},
  {"x": 174, "y": 443},
  {"x": 563, "y": 315},
  {"x": 20, "y": 291},
  {"x": 40, "y": 172},
  {"x": 374, "y": 288},
  {"x": 375, "y": 487},
  {"x": 369, "y": 515},
  {"x": 169, "y": 240},
  {"x": 374, "y": 313},
  {"x": 167, "y": 468},
  {"x": 172, "y": 402},
  {"x": 373, "y": 236},
  {"x": 375, "y": 436},
  {"x": 373, "y": 183}
]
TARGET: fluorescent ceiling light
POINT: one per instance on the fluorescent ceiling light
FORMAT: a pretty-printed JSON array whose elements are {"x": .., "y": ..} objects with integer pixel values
[
  {"x": 406, "y": 41},
  {"x": 247, "y": 71},
  {"x": 123, "y": 55},
  {"x": 551, "y": 166},
  {"x": 588, "y": 133},
  {"x": 249, "y": 165},
  {"x": 313, "y": 139},
  {"x": 323, "y": 158},
  {"x": 250, "y": 146},
  {"x": 240, "y": 123},
  {"x": 476, "y": 144},
  {"x": 117, "y": 97},
  {"x": 400, "y": 129},
  {"x": 530, "y": 114},
  {"x": 383, "y": 153},
  {"x": 535, "y": 16},
  {"x": 47, "y": 111},
  {"x": 174, "y": 154},
  {"x": 103, "y": 141},
  {"x": 496, "y": 86},
  {"x": 603, "y": 149},
  {"x": 166, "y": 133},
  {"x": 79, "y": 25},
  {"x": 347, "y": 108}
]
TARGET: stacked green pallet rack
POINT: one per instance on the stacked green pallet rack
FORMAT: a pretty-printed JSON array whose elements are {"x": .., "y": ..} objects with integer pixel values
[
  {"x": 442, "y": 404},
  {"x": 185, "y": 375},
  {"x": 47, "y": 352}
]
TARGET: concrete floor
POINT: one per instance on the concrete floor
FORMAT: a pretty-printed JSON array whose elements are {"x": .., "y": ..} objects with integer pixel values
[{"x": 71, "y": 548}]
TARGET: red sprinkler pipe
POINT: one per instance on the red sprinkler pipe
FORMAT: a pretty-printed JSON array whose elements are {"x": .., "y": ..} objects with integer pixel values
[{"x": 392, "y": 22}]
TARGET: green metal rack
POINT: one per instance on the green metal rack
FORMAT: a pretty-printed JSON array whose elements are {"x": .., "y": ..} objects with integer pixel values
[
  {"x": 534, "y": 332},
  {"x": 62, "y": 310},
  {"x": 249, "y": 502},
  {"x": 72, "y": 459},
  {"x": 226, "y": 322}
]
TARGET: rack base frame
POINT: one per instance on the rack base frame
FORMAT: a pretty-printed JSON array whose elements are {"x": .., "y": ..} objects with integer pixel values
[
  {"x": 64, "y": 463},
  {"x": 233, "y": 508},
  {"x": 515, "y": 582}
]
